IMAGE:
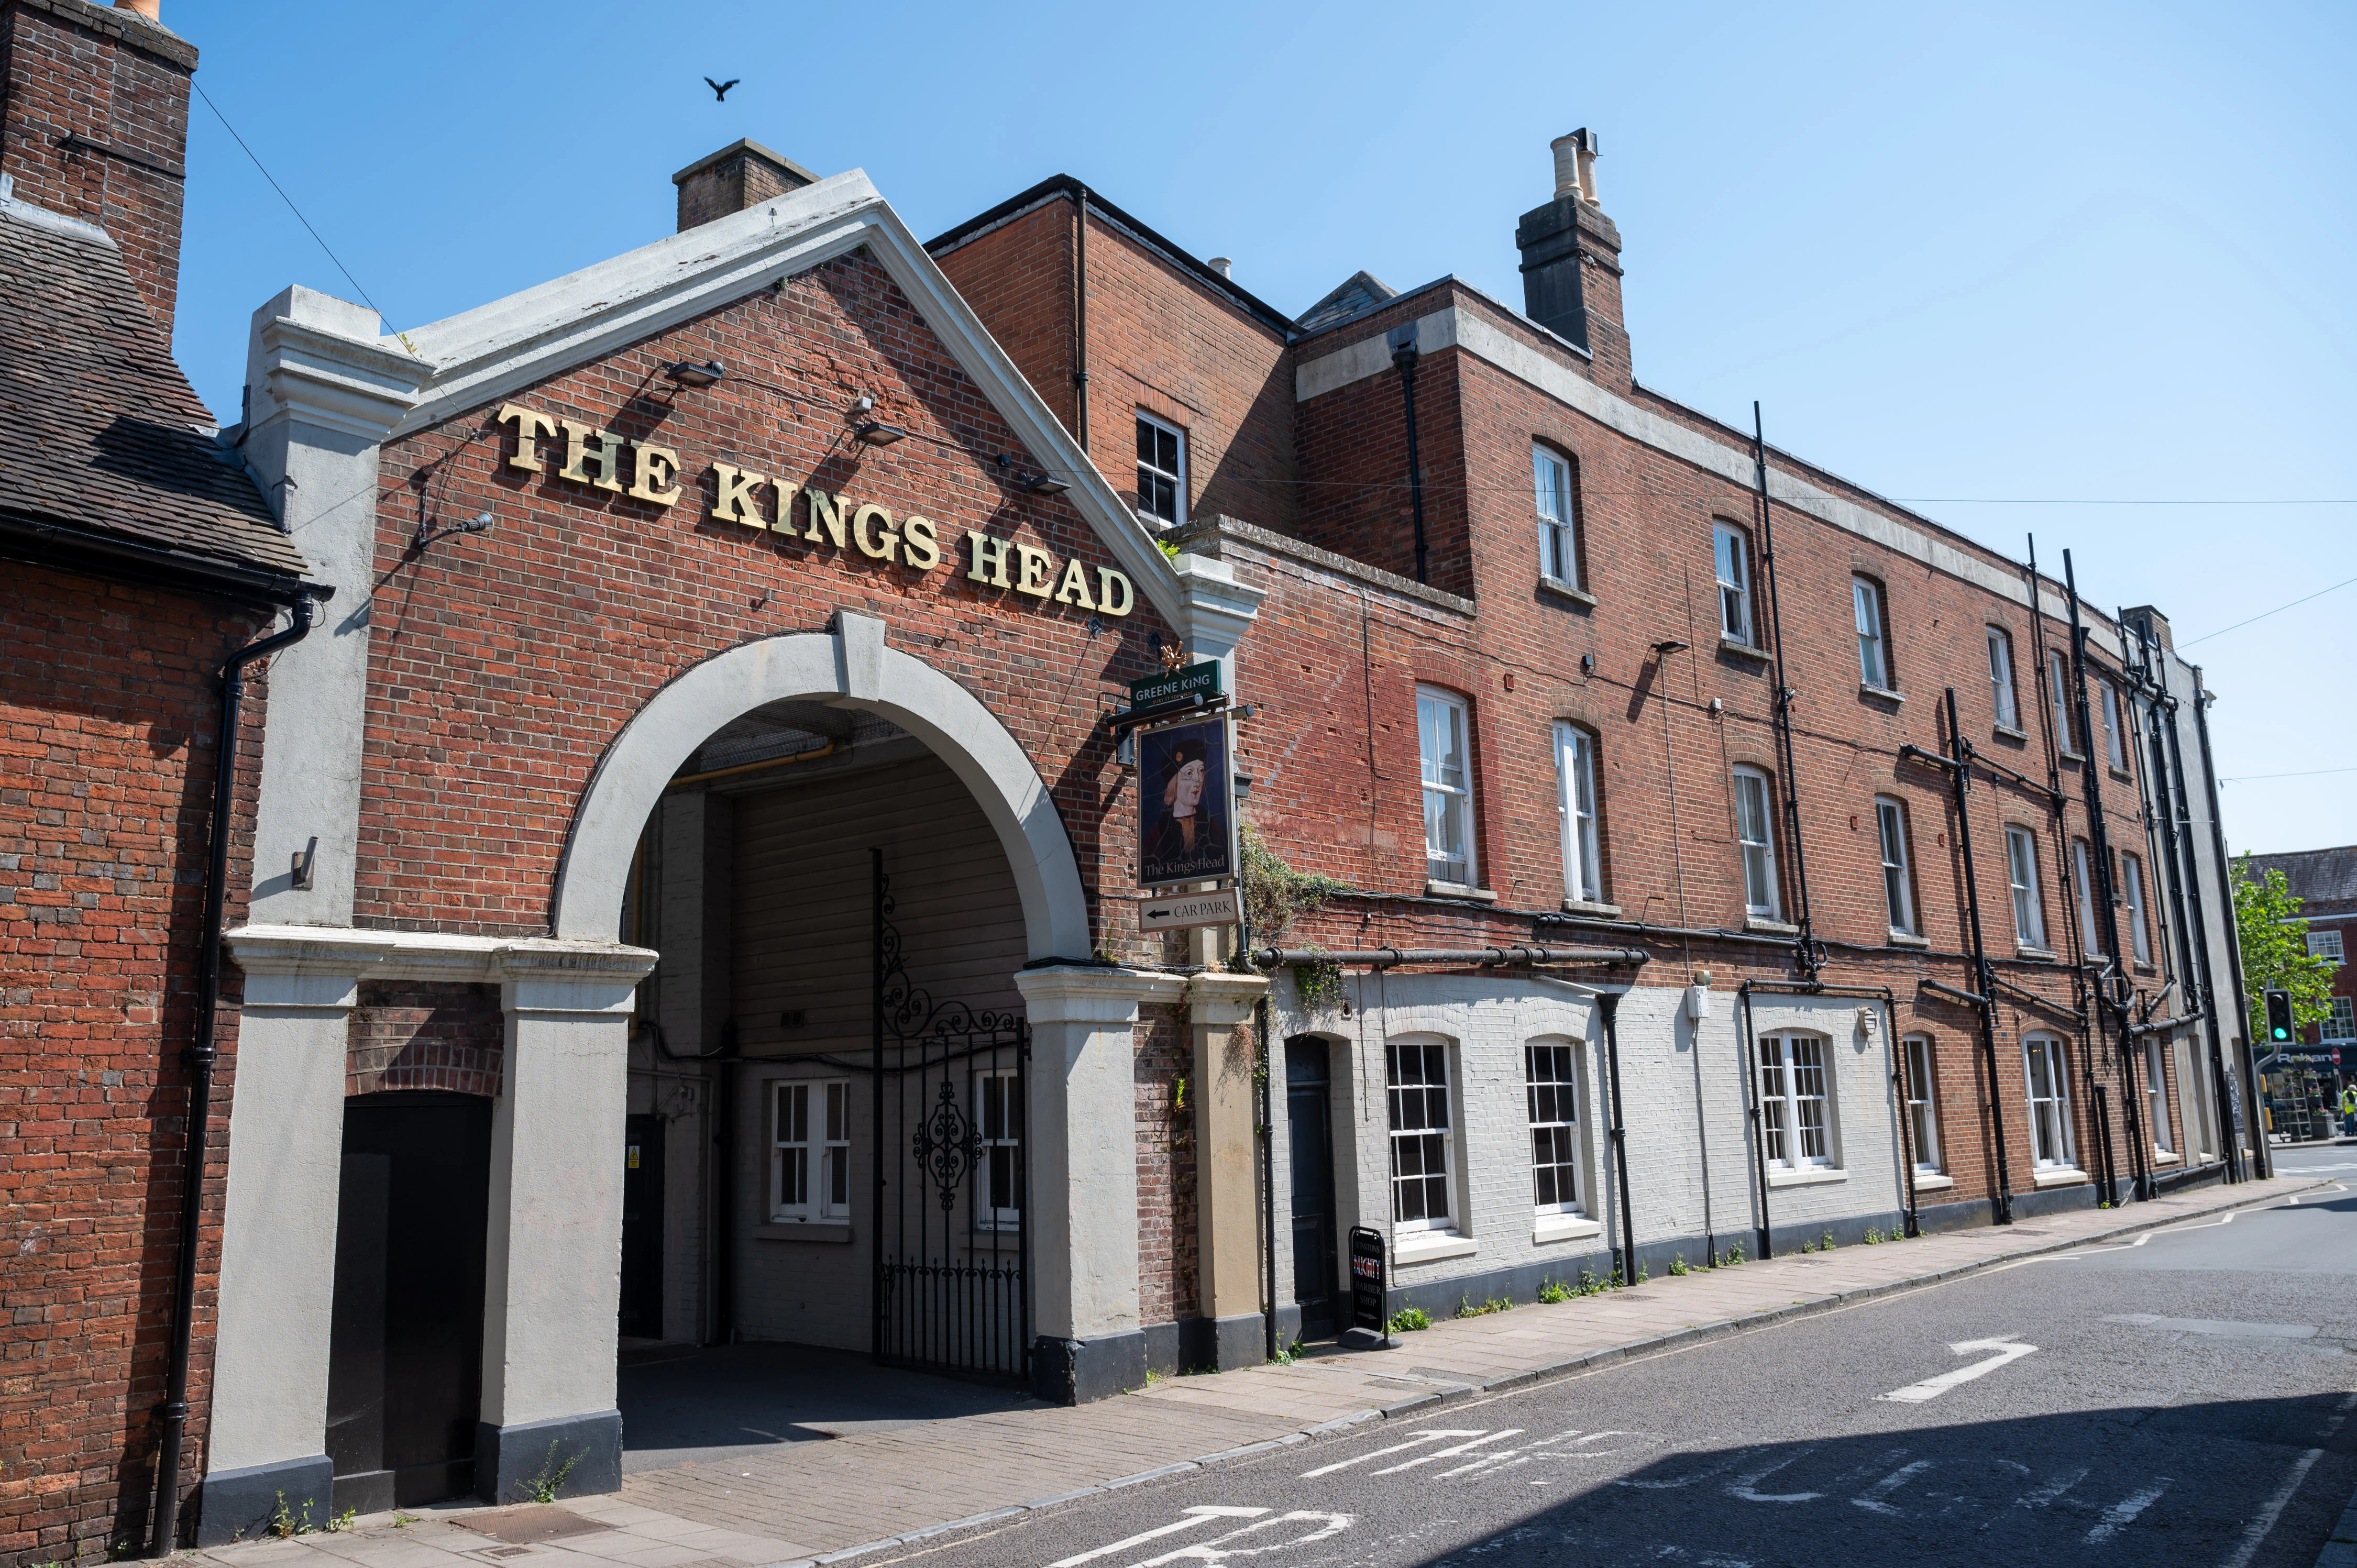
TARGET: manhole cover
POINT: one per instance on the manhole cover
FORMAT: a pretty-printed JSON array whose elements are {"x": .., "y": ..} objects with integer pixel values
[
  {"x": 507, "y": 1551},
  {"x": 522, "y": 1525}
]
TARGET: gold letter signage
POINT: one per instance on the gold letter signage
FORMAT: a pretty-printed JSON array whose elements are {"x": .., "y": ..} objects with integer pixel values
[{"x": 599, "y": 459}]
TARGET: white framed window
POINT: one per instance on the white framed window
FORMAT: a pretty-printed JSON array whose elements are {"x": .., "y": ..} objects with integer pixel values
[
  {"x": 1873, "y": 656},
  {"x": 998, "y": 1122},
  {"x": 1731, "y": 555},
  {"x": 2156, "y": 1096},
  {"x": 2049, "y": 1102},
  {"x": 1550, "y": 1079},
  {"x": 2021, "y": 875},
  {"x": 1551, "y": 477},
  {"x": 2115, "y": 734},
  {"x": 1575, "y": 769},
  {"x": 2326, "y": 945},
  {"x": 2058, "y": 697},
  {"x": 2139, "y": 940},
  {"x": 1161, "y": 469},
  {"x": 810, "y": 1152},
  {"x": 1897, "y": 884},
  {"x": 2000, "y": 657},
  {"x": 1423, "y": 1173},
  {"x": 2342, "y": 1024},
  {"x": 1792, "y": 1085},
  {"x": 1754, "y": 834},
  {"x": 1922, "y": 1109},
  {"x": 2082, "y": 887},
  {"x": 1440, "y": 729}
]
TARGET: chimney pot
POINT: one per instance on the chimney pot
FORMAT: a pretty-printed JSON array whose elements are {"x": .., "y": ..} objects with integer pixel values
[
  {"x": 1574, "y": 165},
  {"x": 151, "y": 9},
  {"x": 1220, "y": 264}
]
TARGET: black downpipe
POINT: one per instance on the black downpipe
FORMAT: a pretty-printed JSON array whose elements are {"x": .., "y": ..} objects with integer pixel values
[
  {"x": 1080, "y": 337},
  {"x": 1267, "y": 1169},
  {"x": 2191, "y": 964},
  {"x": 1758, "y": 1126},
  {"x": 2110, "y": 1002},
  {"x": 1805, "y": 951},
  {"x": 1609, "y": 1004},
  {"x": 1403, "y": 357},
  {"x": 2262, "y": 1158},
  {"x": 1983, "y": 975},
  {"x": 202, "y": 1056},
  {"x": 875, "y": 1050}
]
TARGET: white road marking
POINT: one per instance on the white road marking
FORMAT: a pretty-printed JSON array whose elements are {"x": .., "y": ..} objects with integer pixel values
[
  {"x": 1571, "y": 1447},
  {"x": 2257, "y": 1530},
  {"x": 1201, "y": 1516},
  {"x": 1449, "y": 1453},
  {"x": 2216, "y": 1326},
  {"x": 1218, "y": 1551},
  {"x": 2051, "y": 1490},
  {"x": 2123, "y": 1514},
  {"x": 1745, "y": 1486},
  {"x": 1415, "y": 1439},
  {"x": 1933, "y": 1387},
  {"x": 1872, "y": 1498}
]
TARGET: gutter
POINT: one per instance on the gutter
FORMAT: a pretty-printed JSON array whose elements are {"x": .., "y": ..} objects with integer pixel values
[{"x": 42, "y": 542}]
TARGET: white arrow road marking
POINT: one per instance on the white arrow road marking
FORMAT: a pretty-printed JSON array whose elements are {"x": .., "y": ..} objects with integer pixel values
[
  {"x": 1218, "y": 1551},
  {"x": 1743, "y": 1485},
  {"x": 1449, "y": 1453},
  {"x": 2124, "y": 1513},
  {"x": 1433, "y": 1436},
  {"x": 1200, "y": 1516},
  {"x": 1933, "y": 1387},
  {"x": 1872, "y": 1498}
]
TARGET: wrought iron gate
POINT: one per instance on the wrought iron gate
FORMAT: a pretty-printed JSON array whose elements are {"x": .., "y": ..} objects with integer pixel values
[{"x": 951, "y": 1246}]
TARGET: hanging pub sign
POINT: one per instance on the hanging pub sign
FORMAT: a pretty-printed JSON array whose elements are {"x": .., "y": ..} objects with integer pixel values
[
  {"x": 1195, "y": 681},
  {"x": 1185, "y": 814}
]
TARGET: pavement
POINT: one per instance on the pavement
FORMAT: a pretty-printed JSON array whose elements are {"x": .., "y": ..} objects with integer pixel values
[{"x": 729, "y": 1471}]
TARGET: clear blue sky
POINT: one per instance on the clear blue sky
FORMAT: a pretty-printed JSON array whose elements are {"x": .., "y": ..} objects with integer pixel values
[{"x": 2086, "y": 253}]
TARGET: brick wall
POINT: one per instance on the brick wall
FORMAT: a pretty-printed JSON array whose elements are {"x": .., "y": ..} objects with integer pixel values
[
  {"x": 1168, "y": 1236},
  {"x": 107, "y": 77},
  {"x": 107, "y": 715},
  {"x": 420, "y": 1035}
]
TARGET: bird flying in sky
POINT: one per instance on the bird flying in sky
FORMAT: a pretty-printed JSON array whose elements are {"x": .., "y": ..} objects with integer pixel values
[{"x": 720, "y": 89}]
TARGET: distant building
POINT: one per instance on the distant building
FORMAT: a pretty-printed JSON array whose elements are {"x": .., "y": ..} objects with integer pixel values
[{"x": 2325, "y": 882}]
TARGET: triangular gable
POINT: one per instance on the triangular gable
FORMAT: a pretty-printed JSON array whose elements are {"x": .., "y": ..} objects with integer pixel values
[{"x": 482, "y": 354}]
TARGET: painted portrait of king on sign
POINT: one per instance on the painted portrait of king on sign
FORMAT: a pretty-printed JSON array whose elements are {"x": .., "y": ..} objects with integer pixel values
[{"x": 1183, "y": 811}]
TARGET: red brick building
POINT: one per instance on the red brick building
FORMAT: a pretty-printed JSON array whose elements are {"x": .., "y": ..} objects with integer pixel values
[
  {"x": 2325, "y": 881},
  {"x": 141, "y": 560}
]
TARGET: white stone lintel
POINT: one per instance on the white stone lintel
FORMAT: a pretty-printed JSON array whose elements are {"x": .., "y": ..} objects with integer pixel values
[{"x": 319, "y": 966}]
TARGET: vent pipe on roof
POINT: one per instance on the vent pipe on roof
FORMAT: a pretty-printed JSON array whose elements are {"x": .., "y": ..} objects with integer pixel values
[{"x": 1220, "y": 264}]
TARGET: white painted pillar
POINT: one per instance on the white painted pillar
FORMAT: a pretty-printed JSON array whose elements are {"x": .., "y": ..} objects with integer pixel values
[
  {"x": 269, "y": 1412},
  {"x": 552, "y": 1276},
  {"x": 1088, "y": 1343},
  {"x": 1227, "y": 1162}
]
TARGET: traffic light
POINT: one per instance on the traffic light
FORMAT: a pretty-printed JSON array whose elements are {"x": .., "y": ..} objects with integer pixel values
[{"x": 2280, "y": 1028}]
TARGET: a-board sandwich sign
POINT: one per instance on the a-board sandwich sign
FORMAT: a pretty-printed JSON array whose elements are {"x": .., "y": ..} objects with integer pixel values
[
  {"x": 1369, "y": 1285},
  {"x": 1186, "y": 815}
]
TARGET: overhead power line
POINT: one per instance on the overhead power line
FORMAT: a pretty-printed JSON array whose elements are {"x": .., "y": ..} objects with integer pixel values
[
  {"x": 285, "y": 197},
  {"x": 2311, "y": 773},
  {"x": 2264, "y": 614}
]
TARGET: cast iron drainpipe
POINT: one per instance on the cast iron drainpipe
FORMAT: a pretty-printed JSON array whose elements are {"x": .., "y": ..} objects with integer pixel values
[
  {"x": 201, "y": 1055},
  {"x": 2262, "y": 1160},
  {"x": 1759, "y": 1130},
  {"x": 1404, "y": 357},
  {"x": 1609, "y": 1004}
]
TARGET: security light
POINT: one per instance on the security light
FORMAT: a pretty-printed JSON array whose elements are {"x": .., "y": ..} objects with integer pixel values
[
  {"x": 1046, "y": 484},
  {"x": 688, "y": 374},
  {"x": 876, "y": 433}
]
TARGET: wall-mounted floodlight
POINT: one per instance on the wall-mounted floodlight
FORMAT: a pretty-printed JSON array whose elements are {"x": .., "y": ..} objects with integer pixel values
[
  {"x": 876, "y": 433},
  {"x": 689, "y": 374},
  {"x": 427, "y": 533},
  {"x": 1046, "y": 484},
  {"x": 1671, "y": 645}
]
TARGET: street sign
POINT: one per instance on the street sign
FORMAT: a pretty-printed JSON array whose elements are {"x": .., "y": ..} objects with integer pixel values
[
  {"x": 1195, "y": 681},
  {"x": 1186, "y": 911},
  {"x": 1367, "y": 1284}
]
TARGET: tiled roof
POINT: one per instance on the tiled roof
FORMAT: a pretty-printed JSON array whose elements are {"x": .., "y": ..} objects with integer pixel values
[
  {"x": 104, "y": 435},
  {"x": 1361, "y": 292},
  {"x": 2325, "y": 875}
]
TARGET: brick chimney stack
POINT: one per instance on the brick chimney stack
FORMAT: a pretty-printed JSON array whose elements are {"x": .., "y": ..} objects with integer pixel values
[
  {"x": 741, "y": 175},
  {"x": 95, "y": 126},
  {"x": 1571, "y": 260}
]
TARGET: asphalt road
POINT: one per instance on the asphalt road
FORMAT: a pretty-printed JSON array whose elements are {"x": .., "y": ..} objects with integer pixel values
[{"x": 2188, "y": 1399}]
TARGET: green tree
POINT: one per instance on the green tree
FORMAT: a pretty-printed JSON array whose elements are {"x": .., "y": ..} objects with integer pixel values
[{"x": 2274, "y": 950}]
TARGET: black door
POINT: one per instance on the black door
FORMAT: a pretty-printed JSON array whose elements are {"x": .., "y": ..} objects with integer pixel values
[
  {"x": 642, "y": 1227},
  {"x": 405, "y": 1349},
  {"x": 1309, "y": 1119}
]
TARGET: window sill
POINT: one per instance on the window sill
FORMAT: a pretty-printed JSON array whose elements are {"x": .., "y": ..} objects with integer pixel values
[
  {"x": 2046, "y": 955},
  {"x": 1745, "y": 650},
  {"x": 1773, "y": 928},
  {"x": 2122, "y": 774},
  {"x": 1563, "y": 590},
  {"x": 2163, "y": 1158},
  {"x": 1868, "y": 688},
  {"x": 1933, "y": 1181},
  {"x": 2007, "y": 732},
  {"x": 1594, "y": 911},
  {"x": 1429, "y": 1246},
  {"x": 2143, "y": 968},
  {"x": 2060, "y": 1176},
  {"x": 1564, "y": 1228},
  {"x": 2073, "y": 758},
  {"x": 1806, "y": 1177},
  {"x": 804, "y": 1231},
  {"x": 1436, "y": 889},
  {"x": 1909, "y": 939}
]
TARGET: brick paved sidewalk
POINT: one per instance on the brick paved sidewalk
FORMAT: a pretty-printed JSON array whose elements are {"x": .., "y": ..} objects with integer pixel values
[{"x": 834, "y": 1499}]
